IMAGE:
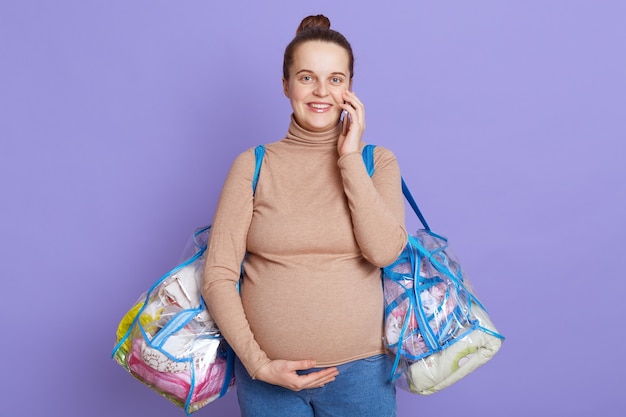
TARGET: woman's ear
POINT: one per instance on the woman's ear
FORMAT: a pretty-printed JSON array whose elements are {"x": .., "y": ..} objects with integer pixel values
[{"x": 286, "y": 87}]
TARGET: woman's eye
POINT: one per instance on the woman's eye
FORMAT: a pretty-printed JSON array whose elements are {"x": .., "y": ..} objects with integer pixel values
[
  {"x": 336, "y": 80},
  {"x": 306, "y": 78}
]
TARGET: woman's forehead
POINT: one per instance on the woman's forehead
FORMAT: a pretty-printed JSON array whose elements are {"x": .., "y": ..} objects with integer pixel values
[{"x": 321, "y": 56}]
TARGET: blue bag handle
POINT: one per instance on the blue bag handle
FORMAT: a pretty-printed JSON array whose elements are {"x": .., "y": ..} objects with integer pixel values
[
  {"x": 259, "y": 153},
  {"x": 368, "y": 159}
]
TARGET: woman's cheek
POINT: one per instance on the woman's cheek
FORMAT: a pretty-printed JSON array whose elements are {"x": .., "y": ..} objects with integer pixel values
[{"x": 338, "y": 96}]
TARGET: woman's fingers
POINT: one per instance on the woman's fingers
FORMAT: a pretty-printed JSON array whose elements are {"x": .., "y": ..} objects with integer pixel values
[
  {"x": 353, "y": 123},
  {"x": 309, "y": 380},
  {"x": 318, "y": 379},
  {"x": 284, "y": 373},
  {"x": 354, "y": 107}
]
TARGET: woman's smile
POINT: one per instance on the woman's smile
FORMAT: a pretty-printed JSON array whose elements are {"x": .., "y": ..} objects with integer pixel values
[{"x": 320, "y": 107}]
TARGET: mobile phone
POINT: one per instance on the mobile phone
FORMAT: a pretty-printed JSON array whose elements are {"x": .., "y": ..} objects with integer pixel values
[{"x": 345, "y": 119}]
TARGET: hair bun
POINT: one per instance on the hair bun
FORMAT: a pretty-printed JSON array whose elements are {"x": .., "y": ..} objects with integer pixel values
[{"x": 310, "y": 22}]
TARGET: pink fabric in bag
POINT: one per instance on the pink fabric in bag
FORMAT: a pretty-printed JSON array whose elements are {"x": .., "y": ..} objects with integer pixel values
[{"x": 208, "y": 380}]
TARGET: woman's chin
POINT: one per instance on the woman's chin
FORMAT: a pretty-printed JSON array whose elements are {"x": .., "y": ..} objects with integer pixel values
[{"x": 319, "y": 124}]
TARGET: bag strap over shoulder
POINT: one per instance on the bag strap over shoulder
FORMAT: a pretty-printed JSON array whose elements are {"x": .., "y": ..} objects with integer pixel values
[
  {"x": 368, "y": 159},
  {"x": 259, "y": 153}
]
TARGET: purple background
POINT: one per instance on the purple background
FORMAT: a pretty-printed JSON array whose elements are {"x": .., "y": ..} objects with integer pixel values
[{"x": 119, "y": 120}]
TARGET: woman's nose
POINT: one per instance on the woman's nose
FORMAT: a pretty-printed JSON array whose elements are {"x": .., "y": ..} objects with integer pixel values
[{"x": 320, "y": 90}]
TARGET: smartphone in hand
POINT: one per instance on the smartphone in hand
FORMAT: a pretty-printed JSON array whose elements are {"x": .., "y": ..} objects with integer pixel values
[{"x": 345, "y": 119}]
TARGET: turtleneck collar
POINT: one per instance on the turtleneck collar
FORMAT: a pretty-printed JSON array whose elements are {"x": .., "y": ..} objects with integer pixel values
[{"x": 299, "y": 134}]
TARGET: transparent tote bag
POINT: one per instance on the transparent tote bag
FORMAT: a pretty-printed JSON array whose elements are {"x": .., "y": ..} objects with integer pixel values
[
  {"x": 436, "y": 329},
  {"x": 168, "y": 340}
]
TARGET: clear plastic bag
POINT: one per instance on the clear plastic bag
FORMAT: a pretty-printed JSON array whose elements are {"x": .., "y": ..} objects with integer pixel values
[
  {"x": 436, "y": 328},
  {"x": 168, "y": 340}
]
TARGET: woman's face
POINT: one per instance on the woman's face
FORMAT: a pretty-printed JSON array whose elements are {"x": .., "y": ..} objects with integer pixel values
[{"x": 317, "y": 79}]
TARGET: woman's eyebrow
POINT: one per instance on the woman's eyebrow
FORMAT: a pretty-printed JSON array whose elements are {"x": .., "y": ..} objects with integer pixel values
[{"x": 313, "y": 72}]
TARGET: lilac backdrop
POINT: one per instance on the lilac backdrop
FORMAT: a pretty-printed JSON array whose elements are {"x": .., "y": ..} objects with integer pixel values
[{"x": 119, "y": 119}]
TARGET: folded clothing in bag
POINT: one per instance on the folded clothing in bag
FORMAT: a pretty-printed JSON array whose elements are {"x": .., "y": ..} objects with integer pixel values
[
  {"x": 441, "y": 369},
  {"x": 169, "y": 341},
  {"x": 435, "y": 326},
  {"x": 178, "y": 380}
]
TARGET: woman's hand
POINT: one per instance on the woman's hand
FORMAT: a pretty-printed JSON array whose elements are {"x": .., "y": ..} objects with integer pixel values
[
  {"x": 353, "y": 124},
  {"x": 283, "y": 373}
]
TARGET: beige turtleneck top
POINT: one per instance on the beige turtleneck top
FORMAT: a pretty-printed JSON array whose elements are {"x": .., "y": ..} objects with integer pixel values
[{"x": 314, "y": 237}]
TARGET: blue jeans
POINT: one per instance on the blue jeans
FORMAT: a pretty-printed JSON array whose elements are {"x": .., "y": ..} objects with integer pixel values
[{"x": 361, "y": 389}]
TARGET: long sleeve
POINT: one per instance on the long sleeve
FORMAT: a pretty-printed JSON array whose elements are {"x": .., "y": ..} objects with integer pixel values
[
  {"x": 227, "y": 248},
  {"x": 376, "y": 205}
]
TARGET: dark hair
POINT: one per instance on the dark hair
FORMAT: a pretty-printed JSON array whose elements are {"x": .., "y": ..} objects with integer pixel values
[{"x": 316, "y": 28}]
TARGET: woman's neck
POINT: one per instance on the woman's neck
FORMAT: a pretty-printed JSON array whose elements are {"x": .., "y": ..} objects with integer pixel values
[{"x": 299, "y": 134}]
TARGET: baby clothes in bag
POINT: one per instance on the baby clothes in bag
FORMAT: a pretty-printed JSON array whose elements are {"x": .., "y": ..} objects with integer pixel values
[
  {"x": 169, "y": 342},
  {"x": 436, "y": 329},
  {"x": 168, "y": 339}
]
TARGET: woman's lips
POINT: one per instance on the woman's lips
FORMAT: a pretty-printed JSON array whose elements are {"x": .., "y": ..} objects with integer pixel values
[{"x": 319, "y": 107}]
